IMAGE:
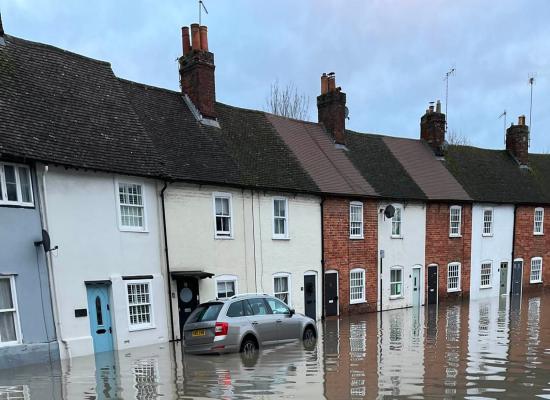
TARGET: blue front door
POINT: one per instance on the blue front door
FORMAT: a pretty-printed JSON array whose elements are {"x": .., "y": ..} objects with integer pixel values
[{"x": 100, "y": 317}]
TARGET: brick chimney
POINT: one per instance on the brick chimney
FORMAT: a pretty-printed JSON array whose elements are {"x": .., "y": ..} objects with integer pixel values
[
  {"x": 331, "y": 107},
  {"x": 517, "y": 141},
  {"x": 432, "y": 128},
  {"x": 196, "y": 67}
]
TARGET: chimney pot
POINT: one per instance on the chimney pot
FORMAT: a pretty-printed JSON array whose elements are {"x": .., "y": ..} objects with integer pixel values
[
  {"x": 331, "y": 82},
  {"x": 185, "y": 40},
  {"x": 521, "y": 120},
  {"x": 195, "y": 37},
  {"x": 438, "y": 106},
  {"x": 204, "y": 38},
  {"x": 324, "y": 83}
]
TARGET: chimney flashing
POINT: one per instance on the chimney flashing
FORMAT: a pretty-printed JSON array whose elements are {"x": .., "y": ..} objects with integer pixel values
[{"x": 197, "y": 114}]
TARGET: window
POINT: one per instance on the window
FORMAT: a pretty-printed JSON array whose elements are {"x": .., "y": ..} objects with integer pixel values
[
  {"x": 536, "y": 270},
  {"x": 9, "y": 323},
  {"x": 132, "y": 206},
  {"x": 139, "y": 305},
  {"x": 486, "y": 272},
  {"x": 453, "y": 277},
  {"x": 280, "y": 218},
  {"x": 539, "y": 218},
  {"x": 488, "y": 222},
  {"x": 396, "y": 282},
  {"x": 15, "y": 185},
  {"x": 239, "y": 309},
  {"x": 455, "y": 219},
  {"x": 258, "y": 306},
  {"x": 206, "y": 312},
  {"x": 222, "y": 214},
  {"x": 277, "y": 306},
  {"x": 281, "y": 287},
  {"x": 357, "y": 286},
  {"x": 226, "y": 286},
  {"x": 356, "y": 220},
  {"x": 396, "y": 223}
]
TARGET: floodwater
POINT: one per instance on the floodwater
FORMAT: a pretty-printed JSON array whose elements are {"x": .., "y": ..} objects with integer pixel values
[{"x": 479, "y": 349}]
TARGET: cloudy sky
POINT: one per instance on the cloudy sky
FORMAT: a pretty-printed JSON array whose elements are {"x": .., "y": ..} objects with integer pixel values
[{"x": 390, "y": 57}]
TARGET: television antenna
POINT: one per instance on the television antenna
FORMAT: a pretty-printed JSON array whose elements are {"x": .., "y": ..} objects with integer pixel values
[
  {"x": 201, "y": 7},
  {"x": 531, "y": 83},
  {"x": 448, "y": 74},
  {"x": 504, "y": 114}
]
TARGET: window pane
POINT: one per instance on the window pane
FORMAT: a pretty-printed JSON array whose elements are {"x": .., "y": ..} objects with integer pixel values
[
  {"x": 236, "y": 310},
  {"x": 99, "y": 313},
  {"x": 6, "y": 301},
  {"x": 24, "y": 180},
  {"x": 278, "y": 307},
  {"x": 11, "y": 182},
  {"x": 258, "y": 306},
  {"x": 7, "y": 327}
]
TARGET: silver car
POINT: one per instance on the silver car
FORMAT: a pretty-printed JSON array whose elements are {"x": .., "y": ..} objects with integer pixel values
[{"x": 244, "y": 323}]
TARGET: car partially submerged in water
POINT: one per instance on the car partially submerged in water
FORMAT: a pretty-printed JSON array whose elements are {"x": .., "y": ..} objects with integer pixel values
[{"x": 244, "y": 323}]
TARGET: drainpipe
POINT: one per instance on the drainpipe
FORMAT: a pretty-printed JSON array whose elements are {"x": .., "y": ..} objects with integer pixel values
[
  {"x": 168, "y": 276},
  {"x": 322, "y": 262},
  {"x": 513, "y": 253},
  {"x": 49, "y": 263}
]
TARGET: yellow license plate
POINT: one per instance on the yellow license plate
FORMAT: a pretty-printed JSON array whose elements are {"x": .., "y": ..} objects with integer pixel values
[{"x": 198, "y": 332}]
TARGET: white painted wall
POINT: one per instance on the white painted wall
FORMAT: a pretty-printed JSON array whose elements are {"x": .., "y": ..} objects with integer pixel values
[
  {"x": 495, "y": 248},
  {"x": 406, "y": 251},
  {"x": 252, "y": 255},
  {"x": 82, "y": 218}
]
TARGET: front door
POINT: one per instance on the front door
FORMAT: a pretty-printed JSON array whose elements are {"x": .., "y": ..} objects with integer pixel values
[
  {"x": 503, "y": 278},
  {"x": 331, "y": 294},
  {"x": 416, "y": 287},
  {"x": 517, "y": 272},
  {"x": 310, "y": 297},
  {"x": 432, "y": 284},
  {"x": 188, "y": 298},
  {"x": 100, "y": 317}
]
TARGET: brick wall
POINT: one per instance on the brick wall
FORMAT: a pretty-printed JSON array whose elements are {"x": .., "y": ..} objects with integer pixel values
[
  {"x": 527, "y": 245},
  {"x": 442, "y": 249},
  {"x": 343, "y": 254}
]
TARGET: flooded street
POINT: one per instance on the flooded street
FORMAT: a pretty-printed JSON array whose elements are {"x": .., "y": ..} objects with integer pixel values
[{"x": 482, "y": 349}]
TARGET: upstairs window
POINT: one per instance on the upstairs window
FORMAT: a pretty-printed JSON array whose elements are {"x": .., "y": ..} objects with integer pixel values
[
  {"x": 396, "y": 223},
  {"x": 132, "y": 206},
  {"x": 536, "y": 270},
  {"x": 356, "y": 220},
  {"x": 486, "y": 273},
  {"x": 9, "y": 324},
  {"x": 488, "y": 222},
  {"x": 455, "y": 217},
  {"x": 15, "y": 185},
  {"x": 222, "y": 215},
  {"x": 357, "y": 285},
  {"x": 280, "y": 218},
  {"x": 539, "y": 218},
  {"x": 453, "y": 277}
]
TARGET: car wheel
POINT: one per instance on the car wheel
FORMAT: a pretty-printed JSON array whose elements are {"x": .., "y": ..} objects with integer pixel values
[
  {"x": 309, "y": 338},
  {"x": 249, "y": 347}
]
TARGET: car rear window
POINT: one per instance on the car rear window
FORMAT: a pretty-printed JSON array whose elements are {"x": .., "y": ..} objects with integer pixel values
[
  {"x": 239, "y": 309},
  {"x": 206, "y": 312}
]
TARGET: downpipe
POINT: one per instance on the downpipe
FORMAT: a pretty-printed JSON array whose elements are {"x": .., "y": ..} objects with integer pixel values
[{"x": 168, "y": 277}]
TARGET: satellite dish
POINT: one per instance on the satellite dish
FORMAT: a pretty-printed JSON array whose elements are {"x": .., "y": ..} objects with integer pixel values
[
  {"x": 45, "y": 242},
  {"x": 389, "y": 211}
]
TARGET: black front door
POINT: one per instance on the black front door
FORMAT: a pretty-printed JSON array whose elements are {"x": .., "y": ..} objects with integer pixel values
[
  {"x": 188, "y": 298},
  {"x": 309, "y": 296},
  {"x": 517, "y": 272},
  {"x": 331, "y": 294},
  {"x": 432, "y": 284}
]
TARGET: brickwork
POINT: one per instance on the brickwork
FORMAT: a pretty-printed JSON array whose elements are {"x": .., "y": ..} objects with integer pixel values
[
  {"x": 442, "y": 249},
  {"x": 343, "y": 254},
  {"x": 198, "y": 82},
  {"x": 528, "y": 245}
]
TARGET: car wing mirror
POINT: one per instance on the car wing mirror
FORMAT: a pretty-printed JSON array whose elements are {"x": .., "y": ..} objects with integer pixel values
[{"x": 292, "y": 311}]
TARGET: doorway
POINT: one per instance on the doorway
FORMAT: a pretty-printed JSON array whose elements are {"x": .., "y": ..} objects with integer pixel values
[
  {"x": 331, "y": 293},
  {"x": 503, "y": 278},
  {"x": 416, "y": 286},
  {"x": 432, "y": 284},
  {"x": 517, "y": 273},
  {"x": 100, "y": 317},
  {"x": 310, "y": 296},
  {"x": 188, "y": 298}
]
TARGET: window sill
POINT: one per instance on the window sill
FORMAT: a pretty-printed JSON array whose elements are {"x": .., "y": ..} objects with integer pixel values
[
  {"x": 357, "y": 302},
  {"x": 16, "y": 205},
  {"x": 538, "y": 233},
  {"x": 535, "y": 282},
  {"x": 134, "y": 230},
  {"x": 455, "y": 236},
  {"x": 397, "y": 236},
  {"x": 280, "y": 238},
  {"x": 486, "y": 235},
  {"x": 223, "y": 237},
  {"x": 140, "y": 328},
  {"x": 397, "y": 297},
  {"x": 453, "y": 290},
  {"x": 10, "y": 344},
  {"x": 486, "y": 287},
  {"x": 356, "y": 237}
]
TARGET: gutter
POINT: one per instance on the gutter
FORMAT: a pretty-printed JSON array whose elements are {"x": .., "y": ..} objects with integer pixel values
[
  {"x": 322, "y": 262},
  {"x": 168, "y": 277}
]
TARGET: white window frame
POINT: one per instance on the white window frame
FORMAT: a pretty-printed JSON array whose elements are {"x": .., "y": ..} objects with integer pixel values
[
  {"x": 458, "y": 287},
  {"x": 124, "y": 228},
  {"x": 458, "y": 232},
  {"x": 361, "y": 227},
  {"x": 492, "y": 222},
  {"x": 400, "y": 295},
  {"x": 4, "y": 190},
  {"x": 151, "y": 324},
  {"x": 531, "y": 280},
  {"x": 541, "y": 231},
  {"x": 481, "y": 274},
  {"x": 400, "y": 235},
  {"x": 226, "y": 278},
  {"x": 285, "y": 235},
  {"x": 289, "y": 280},
  {"x": 362, "y": 299},
  {"x": 15, "y": 310},
  {"x": 223, "y": 195}
]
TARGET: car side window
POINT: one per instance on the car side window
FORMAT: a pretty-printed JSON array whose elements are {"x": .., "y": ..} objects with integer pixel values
[
  {"x": 278, "y": 307},
  {"x": 259, "y": 307},
  {"x": 236, "y": 310}
]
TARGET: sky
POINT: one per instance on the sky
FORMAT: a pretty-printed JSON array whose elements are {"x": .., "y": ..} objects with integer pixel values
[{"x": 390, "y": 57}]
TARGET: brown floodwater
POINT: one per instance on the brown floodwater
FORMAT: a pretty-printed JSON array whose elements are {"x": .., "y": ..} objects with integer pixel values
[{"x": 493, "y": 348}]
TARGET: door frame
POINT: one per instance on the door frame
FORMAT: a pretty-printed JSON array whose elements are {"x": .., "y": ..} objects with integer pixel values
[
  {"x": 107, "y": 285},
  {"x": 419, "y": 267},
  {"x": 508, "y": 272},
  {"x": 521, "y": 275},
  {"x": 181, "y": 279},
  {"x": 314, "y": 274},
  {"x": 334, "y": 271},
  {"x": 428, "y": 283}
]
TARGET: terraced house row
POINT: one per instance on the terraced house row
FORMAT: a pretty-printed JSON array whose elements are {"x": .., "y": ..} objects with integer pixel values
[{"x": 122, "y": 206}]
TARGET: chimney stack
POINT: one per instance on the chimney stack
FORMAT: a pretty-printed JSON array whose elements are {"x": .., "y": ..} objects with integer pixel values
[
  {"x": 1, "y": 26},
  {"x": 196, "y": 67},
  {"x": 331, "y": 107},
  {"x": 517, "y": 141},
  {"x": 432, "y": 128}
]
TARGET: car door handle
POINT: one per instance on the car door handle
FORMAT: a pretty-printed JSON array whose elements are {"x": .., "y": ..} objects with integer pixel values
[
  {"x": 254, "y": 322},
  {"x": 279, "y": 321}
]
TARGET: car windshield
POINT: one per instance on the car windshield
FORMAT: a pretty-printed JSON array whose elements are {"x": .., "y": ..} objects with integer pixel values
[{"x": 205, "y": 312}]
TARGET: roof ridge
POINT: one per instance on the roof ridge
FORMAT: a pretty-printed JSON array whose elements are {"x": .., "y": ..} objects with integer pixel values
[
  {"x": 145, "y": 85},
  {"x": 291, "y": 119}
]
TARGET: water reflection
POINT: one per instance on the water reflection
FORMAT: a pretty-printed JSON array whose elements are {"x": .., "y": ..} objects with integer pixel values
[{"x": 480, "y": 349}]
